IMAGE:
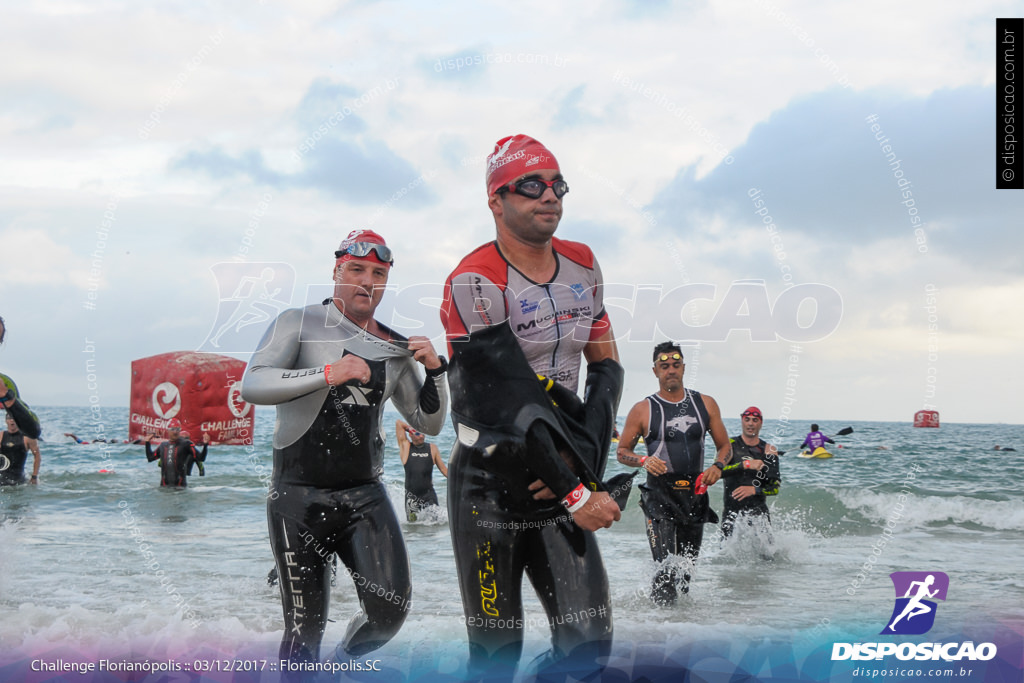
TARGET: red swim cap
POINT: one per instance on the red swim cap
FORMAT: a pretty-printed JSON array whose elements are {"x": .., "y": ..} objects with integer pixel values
[
  {"x": 363, "y": 237},
  {"x": 752, "y": 411},
  {"x": 514, "y": 156},
  {"x": 174, "y": 423}
]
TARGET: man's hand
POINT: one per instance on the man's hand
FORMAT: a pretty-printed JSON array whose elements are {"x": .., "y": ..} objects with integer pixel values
[
  {"x": 753, "y": 464},
  {"x": 149, "y": 438},
  {"x": 600, "y": 512},
  {"x": 655, "y": 465},
  {"x": 711, "y": 475},
  {"x": 206, "y": 438},
  {"x": 423, "y": 352},
  {"x": 348, "y": 368},
  {"x": 743, "y": 492},
  {"x": 771, "y": 450}
]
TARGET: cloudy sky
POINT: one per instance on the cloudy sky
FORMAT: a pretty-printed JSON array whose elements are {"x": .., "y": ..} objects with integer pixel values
[{"x": 157, "y": 155}]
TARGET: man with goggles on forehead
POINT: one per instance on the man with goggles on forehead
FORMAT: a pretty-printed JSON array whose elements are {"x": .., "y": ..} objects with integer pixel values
[
  {"x": 329, "y": 368},
  {"x": 750, "y": 474},
  {"x": 525, "y": 494},
  {"x": 673, "y": 423}
]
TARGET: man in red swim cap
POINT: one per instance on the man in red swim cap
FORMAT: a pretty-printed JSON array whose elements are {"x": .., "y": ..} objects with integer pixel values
[
  {"x": 750, "y": 475},
  {"x": 177, "y": 455},
  {"x": 524, "y": 488},
  {"x": 330, "y": 368}
]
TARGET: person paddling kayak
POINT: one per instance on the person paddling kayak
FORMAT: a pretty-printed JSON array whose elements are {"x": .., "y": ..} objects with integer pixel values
[{"x": 815, "y": 439}]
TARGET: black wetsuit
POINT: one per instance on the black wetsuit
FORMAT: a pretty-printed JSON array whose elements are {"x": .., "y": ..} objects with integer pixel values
[
  {"x": 13, "y": 453},
  {"x": 503, "y": 330},
  {"x": 766, "y": 480},
  {"x": 419, "y": 485},
  {"x": 326, "y": 494},
  {"x": 500, "y": 532},
  {"x": 675, "y": 514},
  {"x": 176, "y": 461}
]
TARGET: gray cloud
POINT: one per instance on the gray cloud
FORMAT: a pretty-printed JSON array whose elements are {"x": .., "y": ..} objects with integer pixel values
[
  {"x": 335, "y": 157},
  {"x": 822, "y": 172}
]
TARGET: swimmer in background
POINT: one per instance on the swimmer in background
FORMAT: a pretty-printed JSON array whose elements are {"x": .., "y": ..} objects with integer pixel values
[
  {"x": 751, "y": 474},
  {"x": 177, "y": 456},
  {"x": 418, "y": 459},
  {"x": 10, "y": 399},
  {"x": 14, "y": 448},
  {"x": 815, "y": 440}
]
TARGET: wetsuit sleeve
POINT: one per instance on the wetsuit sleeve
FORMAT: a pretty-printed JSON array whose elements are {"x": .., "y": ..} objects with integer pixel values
[
  {"x": 198, "y": 457},
  {"x": 772, "y": 480},
  {"x": 472, "y": 302},
  {"x": 271, "y": 376},
  {"x": 542, "y": 456},
  {"x": 150, "y": 455},
  {"x": 23, "y": 417},
  {"x": 414, "y": 398}
]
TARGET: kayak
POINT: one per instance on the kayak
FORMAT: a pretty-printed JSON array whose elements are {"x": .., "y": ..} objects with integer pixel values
[{"x": 816, "y": 453}]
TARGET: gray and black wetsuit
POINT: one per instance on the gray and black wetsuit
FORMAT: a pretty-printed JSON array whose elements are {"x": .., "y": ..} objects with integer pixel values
[{"x": 326, "y": 496}]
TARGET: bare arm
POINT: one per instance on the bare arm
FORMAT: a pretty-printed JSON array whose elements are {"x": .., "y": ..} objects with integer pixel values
[
  {"x": 33, "y": 446},
  {"x": 403, "y": 441},
  {"x": 436, "y": 454},
  {"x": 602, "y": 347},
  {"x": 636, "y": 426}
]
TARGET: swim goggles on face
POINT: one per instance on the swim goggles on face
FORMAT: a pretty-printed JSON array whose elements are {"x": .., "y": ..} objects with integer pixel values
[
  {"x": 363, "y": 249},
  {"x": 534, "y": 187},
  {"x": 665, "y": 357}
]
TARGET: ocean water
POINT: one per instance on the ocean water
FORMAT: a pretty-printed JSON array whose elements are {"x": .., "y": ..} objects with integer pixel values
[{"x": 74, "y": 583}]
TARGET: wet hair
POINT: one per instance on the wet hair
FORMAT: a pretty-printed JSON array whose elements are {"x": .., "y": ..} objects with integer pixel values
[
  {"x": 814, "y": 427},
  {"x": 665, "y": 347}
]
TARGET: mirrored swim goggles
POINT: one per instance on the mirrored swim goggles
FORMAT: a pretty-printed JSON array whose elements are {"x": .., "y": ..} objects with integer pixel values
[
  {"x": 534, "y": 187},
  {"x": 363, "y": 249},
  {"x": 665, "y": 357}
]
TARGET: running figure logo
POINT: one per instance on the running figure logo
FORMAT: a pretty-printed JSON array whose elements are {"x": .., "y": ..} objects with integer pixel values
[
  {"x": 914, "y": 612},
  {"x": 250, "y": 296}
]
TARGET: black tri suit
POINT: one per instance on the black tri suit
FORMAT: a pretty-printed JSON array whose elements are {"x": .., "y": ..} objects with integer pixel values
[{"x": 675, "y": 514}]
